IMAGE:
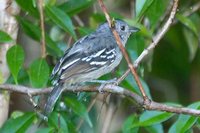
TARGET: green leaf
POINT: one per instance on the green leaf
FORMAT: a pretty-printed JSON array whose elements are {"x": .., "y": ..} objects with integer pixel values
[
  {"x": 192, "y": 42},
  {"x": 4, "y": 37},
  {"x": 141, "y": 7},
  {"x": 18, "y": 125},
  {"x": 60, "y": 18},
  {"x": 56, "y": 120},
  {"x": 15, "y": 60},
  {"x": 185, "y": 122},
  {"x": 131, "y": 83},
  {"x": 158, "y": 128},
  {"x": 73, "y": 7},
  {"x": 78, "y": 108},
  {"x": 149, "y": 118},
  {"x": 45, "y": 130},
  {"x": 187, "y": 22},
  {"x": 29, "y": 6},
  {"x": 22, "y": 78},
  {"x": 128, "y": 125},
  {"x": 34, "y": 32},
  {"x": 57, "y": 34},
  {"x": 16, "y": 114},
  {"x": 39, "y": 73}
]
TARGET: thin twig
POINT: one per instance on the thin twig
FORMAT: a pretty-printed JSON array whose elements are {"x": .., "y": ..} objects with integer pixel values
[
  {"x": 43, "y": 45},
  {"x": 190, "y": 11},
  {"x": 78, "y": 20},
  {"x": 160, "y": 34},
  {"x": 110, "y": 89},
  {"x": 123, "y": 50},
  {"x": 156, "y": 39},
  {"x": 193, "y": 9},
  {"x": 69, "y": 42}
]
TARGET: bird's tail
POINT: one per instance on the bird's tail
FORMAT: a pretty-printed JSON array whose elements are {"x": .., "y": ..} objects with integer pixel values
[{"x": 53, "y": 97}]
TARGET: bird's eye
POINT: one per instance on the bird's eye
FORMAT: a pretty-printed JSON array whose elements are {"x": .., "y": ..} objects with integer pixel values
[{"x": 122, "y": 28}]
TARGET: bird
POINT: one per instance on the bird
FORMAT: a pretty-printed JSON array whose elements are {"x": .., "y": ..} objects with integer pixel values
[{"x": 89, "y": 58}]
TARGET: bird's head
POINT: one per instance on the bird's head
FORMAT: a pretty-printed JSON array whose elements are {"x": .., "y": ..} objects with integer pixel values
[{"x": 124, "y": 30}]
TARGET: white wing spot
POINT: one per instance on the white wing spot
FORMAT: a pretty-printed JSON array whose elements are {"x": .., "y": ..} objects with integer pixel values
[
  {"x": 85, "y": 58},
  {"x": 97, "y": 63},
  {"x": 111, "y": 51},
  {"x": 98, "y": 53},
  {"x": 93, "y": 55},
  {"x": 89, "y": 58},
  {"x": 111, "y": 56},
  {"x": 103, "y": 56},
  {"x": 71, "y": 63}
]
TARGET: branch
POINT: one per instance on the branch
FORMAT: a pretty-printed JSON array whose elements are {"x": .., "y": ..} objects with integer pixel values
[
  {"x": 159, "y": 36},
  {"x": 123, "y": 50},
  {"x": 43, "y": 45},
  {"x": 193, "y": 9},
  {"x": 156, "y": 39},
  {"x": 189, "y": 12},
  {"x": 110, "y": 89}
]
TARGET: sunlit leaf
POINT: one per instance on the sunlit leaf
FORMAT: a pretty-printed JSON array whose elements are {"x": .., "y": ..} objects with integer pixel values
[
  {"x": 39, "y": 73},
  {"x": 16, "y": 114},
  {"x": 15, "y": 60},
  {"x": 4, "y": 37}
]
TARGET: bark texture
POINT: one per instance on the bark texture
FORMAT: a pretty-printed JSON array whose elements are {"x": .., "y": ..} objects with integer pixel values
[{"x": 8, "y": 24}]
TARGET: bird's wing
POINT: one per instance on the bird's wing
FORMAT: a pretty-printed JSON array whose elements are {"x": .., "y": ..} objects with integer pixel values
[{"x": 87, "y": 54}]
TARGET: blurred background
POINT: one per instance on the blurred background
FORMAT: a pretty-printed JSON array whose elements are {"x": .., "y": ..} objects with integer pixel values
[{"x": 170, "y": 73}]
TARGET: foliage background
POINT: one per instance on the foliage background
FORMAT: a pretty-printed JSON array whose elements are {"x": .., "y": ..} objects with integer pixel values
[{"x": 170, "y": 74}]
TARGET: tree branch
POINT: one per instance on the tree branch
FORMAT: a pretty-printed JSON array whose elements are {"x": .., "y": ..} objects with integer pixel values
[
  {"x": 193, "y": 9},
  {"x": 108, "y": 88},
  {"x": 159, "y": 36},
  {"x": 156, "y": 39},
  {"x": 43, "y": 45},
  {"x": 123, "y": 50}
]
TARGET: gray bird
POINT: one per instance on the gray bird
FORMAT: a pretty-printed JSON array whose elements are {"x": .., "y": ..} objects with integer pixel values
[{"x": 88, "y": 59}]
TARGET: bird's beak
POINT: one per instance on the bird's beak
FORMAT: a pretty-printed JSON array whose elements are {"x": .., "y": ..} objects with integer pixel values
[{"x": 133, "y": 29}]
